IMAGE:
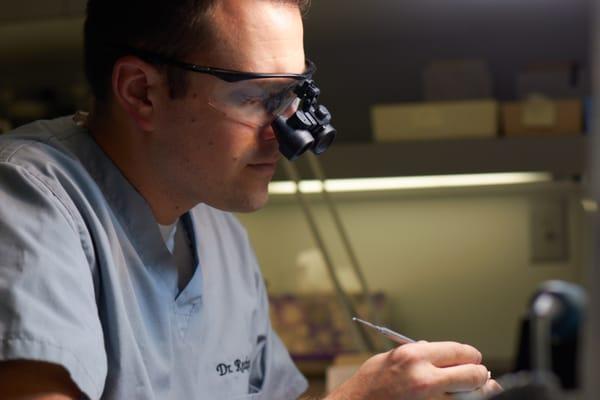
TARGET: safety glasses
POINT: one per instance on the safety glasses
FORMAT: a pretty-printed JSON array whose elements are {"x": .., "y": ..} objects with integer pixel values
[{"x": 252, "y": 98}]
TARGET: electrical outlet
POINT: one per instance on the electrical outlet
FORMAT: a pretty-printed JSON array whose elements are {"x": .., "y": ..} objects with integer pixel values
[{"x": 549, "y": 236}]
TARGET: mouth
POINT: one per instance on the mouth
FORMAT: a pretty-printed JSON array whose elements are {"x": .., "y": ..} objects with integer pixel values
[
  {"x": 266, "y": 167},
  {"x": 263, "y": 166}
]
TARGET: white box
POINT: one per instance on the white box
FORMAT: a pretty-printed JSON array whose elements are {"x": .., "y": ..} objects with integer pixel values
[{"x": 435, "y": 120}]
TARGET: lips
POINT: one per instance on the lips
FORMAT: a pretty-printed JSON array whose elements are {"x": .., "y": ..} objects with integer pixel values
[
  {"x": 264, "y": 167},
  {"x": 265, "y": 162},
  {"x": 271, "y": 160}
]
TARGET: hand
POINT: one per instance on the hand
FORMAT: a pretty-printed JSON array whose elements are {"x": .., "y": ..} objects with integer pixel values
[
  {"x": 36, "y": 380},
  {"x": 418, "y": 371},
  {"x": 485, "y": 392}
]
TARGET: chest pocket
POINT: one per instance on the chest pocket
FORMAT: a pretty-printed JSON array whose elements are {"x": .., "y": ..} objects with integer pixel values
[
  {"x": 258, "y": 366},
  {"x": 244, "y": 375}
]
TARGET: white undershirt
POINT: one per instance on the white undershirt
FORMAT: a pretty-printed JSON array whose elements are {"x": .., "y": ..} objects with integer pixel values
[{"x": 178, "y": 244}]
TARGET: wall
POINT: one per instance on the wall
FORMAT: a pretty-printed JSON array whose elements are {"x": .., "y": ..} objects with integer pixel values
[
  {"x": 456, "y": 265},
  {"x": 40, "y": 54}
]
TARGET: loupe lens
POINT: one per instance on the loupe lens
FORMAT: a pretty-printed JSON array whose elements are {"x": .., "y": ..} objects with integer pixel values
[{"x": 323, "y": 139}]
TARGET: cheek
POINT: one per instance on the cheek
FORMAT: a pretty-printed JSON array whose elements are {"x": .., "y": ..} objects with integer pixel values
[
  {"x": 219, "y": 142},
  {"x": 206, "y": 139}
]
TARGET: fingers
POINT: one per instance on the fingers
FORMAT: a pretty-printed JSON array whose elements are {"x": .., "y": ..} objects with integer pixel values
[
  {"x": 490, "y": 388},
  {"x": 463, "y": 378},
  {"x": 444, "y": 354}
]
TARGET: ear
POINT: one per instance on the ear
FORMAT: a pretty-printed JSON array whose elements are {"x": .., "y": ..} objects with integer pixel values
[{"x": 135, "y": 84}]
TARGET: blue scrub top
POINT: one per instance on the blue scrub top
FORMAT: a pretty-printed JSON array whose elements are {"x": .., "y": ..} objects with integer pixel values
[{"x": 87, "y": 282}]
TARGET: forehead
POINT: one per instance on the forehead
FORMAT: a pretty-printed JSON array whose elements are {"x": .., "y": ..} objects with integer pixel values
[{"x": 257, "y": 36}]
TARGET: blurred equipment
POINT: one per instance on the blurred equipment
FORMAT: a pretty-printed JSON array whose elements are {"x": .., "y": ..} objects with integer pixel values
[
  {"x": 365, "y": 341},
  {"x": 548, "y": 366},
  {"x": 550, "y": 340}
]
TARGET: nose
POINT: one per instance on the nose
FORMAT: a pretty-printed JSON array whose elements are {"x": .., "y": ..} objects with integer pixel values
[{"x": 267, "y": 133}]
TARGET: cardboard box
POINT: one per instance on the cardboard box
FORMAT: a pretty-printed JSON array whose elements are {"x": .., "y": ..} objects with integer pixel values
[
  {"x": 457, "y": 80},
  {"x": 435, "y": 120},
  {"x": 542, "y": 117}
]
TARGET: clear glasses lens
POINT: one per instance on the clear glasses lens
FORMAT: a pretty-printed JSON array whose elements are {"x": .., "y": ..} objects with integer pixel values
[{"x": 255, "y": 102}]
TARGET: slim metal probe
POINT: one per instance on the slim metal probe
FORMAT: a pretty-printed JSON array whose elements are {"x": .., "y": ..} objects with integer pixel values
[{"x": 395, "y": 336}]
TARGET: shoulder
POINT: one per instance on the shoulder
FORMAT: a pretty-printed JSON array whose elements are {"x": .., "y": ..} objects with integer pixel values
[
  {"x": 40, "y": 149},
  {"x": 37, "y": 142},
  {"x": 39, "y": 172}
]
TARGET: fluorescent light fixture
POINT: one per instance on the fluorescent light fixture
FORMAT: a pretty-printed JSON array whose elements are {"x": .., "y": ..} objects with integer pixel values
[{"x": 409, "y": 182}]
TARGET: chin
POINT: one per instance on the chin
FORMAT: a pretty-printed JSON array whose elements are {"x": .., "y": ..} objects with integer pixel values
[
  {"x": 254, "y": 203},
  {"x": 246, "y": 202}
]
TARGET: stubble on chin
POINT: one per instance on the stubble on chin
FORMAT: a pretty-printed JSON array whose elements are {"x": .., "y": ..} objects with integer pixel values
[{"x": 251, "y": 202}]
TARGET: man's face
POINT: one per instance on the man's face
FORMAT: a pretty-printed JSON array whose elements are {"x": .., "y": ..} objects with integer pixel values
[{"x": 211, "y": 157}]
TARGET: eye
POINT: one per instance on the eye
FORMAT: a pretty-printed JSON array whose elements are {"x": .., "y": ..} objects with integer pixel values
[
  {"x": 245, "y": 98},
  {"x": 250, "y": 101},
  {"x": 291, "y": 108},
  {"x": 278, "y": 102},
  {"x": 273, "y": 103}
]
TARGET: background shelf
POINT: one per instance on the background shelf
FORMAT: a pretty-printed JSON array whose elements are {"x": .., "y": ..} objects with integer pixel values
[{"x": 564, "y": 156}]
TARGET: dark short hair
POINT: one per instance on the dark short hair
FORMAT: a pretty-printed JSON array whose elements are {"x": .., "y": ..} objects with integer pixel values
[{"x": 172, "y": 28}]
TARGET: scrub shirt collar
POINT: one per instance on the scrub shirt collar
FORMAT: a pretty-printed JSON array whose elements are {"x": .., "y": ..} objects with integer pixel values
[{"x": 133, "y": 211}]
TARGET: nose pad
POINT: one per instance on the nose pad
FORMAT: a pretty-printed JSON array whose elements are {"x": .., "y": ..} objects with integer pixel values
[{"x": 292, "y": 142}]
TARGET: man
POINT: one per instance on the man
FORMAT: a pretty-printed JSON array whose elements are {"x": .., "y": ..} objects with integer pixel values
[{"x": 122, "y": 274}]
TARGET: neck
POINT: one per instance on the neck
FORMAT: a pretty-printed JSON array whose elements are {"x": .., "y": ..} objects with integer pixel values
[{"x": 134, "y": 153}]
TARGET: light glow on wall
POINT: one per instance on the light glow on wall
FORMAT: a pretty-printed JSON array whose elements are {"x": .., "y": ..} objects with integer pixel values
[{"x": 409, "y": 182}]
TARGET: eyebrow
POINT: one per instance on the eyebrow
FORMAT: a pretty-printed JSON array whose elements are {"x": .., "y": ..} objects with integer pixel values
[{"x": 228, "y": 75}]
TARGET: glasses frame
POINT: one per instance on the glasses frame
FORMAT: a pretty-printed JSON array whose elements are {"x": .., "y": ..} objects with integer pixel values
[{"x": 227, "y": 75}]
